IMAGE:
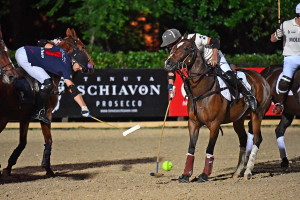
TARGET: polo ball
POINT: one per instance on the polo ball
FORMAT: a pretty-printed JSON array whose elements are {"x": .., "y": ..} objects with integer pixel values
[{"x": 167, "y": 165}]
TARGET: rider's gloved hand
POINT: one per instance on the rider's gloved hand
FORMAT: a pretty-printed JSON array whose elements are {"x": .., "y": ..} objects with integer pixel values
[
  {"x": 278, "y": 34},
  {"x": 85, "y": 111},
  {"x": 172, "y": 91}
]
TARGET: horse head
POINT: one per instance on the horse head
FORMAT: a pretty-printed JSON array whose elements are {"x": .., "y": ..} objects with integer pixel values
[
  {"x": 7, "y": 68},
  {"x": 72, "y": 42},
  {"x": 182, "y": 54}
]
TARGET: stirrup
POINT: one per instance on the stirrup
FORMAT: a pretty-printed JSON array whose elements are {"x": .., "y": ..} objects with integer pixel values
[
  {"x": 41, "y": 116},
  {"x": 278, "y": 108}
]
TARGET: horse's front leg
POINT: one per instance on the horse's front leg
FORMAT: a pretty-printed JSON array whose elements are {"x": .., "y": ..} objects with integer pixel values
[
  {"x": 189, "y": 164},
  {"x": 240, "y": 130},
  {"x": 46, "y": 128},
  {"x": 257, "y": 139},
  {"x": 18, "y": 150},
  {"x": 214, "y": 132}
]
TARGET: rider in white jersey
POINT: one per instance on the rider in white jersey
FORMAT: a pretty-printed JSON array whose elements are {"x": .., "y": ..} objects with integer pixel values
[
  {"x": 290, "y": 32},
  {"x": 213, "y": 56}
]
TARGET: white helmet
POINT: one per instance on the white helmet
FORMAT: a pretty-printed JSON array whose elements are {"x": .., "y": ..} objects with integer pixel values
[{"x": 298, "y": 9}]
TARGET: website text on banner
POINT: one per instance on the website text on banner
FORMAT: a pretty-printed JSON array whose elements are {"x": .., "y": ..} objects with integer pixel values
[{"x": 178, "y": 107}]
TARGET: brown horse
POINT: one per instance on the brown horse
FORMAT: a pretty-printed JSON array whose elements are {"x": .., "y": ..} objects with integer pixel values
[
  {"x": 291, "y": 107},
  {"x": 206, "y": 106},
  {"x": 11, "y": 109}
]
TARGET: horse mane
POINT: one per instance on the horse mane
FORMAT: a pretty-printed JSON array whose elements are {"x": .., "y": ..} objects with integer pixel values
[{"x": 270, "y": 70}]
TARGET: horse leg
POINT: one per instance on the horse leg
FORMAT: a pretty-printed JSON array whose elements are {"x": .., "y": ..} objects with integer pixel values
[
  {"x": 257, "y": 139},
  {"x": 286, "y": 120},
  {"x": 240, "y": 130},
  {"x": 249, "y": 139},
  {"x": 3, "y": 123},
  {"x": 214, "y": 132},
  {"x": 46, "y": 129},
  {"x": 189, "y": 164},
  {"x": 17, "y": 152}
]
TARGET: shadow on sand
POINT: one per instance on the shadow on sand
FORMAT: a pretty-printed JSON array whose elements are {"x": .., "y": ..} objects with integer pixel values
[{"x": 28, "y": 173}]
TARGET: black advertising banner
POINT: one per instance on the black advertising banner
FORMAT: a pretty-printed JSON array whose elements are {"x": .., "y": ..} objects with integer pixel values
[{"x": 117, "y": 93}]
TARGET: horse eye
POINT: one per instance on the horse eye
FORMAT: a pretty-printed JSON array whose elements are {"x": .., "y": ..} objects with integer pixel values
[{"x": 185, "y": 48}]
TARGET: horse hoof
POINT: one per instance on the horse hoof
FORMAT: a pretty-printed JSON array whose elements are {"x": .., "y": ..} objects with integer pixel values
[
  {"x": 235, "y": 176},
  {"x": 49, "y": 173},
  {"x": 202, "y": 178},
  {"x": 285, "y": 163},
  {"x": 183, "y": 179},
  {"x": 247, "y": 176},
  {"x": 6, "y": 172}
]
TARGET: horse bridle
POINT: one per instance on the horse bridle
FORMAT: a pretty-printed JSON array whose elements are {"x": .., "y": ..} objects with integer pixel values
[{"x": 2, "y": 70}]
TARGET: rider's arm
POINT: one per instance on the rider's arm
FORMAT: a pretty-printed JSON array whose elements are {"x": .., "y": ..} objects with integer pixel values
[
  {"x": 215, "y": 44},
  {"x": 273, "y": 39},
  {"x": 76, "y": 94}
]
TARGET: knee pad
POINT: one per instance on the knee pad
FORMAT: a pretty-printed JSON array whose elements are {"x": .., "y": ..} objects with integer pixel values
[{"x": 283, "y": 85}]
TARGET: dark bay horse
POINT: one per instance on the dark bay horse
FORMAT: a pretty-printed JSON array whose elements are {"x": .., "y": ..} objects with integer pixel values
[
  {"x": 291, "y": 106},
  {"x": 11, "y": 109},
  {"x": 206, "y": 106}
]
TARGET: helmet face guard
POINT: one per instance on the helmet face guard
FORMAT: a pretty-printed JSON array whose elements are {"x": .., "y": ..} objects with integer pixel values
[{"x": 82, "y": 59}]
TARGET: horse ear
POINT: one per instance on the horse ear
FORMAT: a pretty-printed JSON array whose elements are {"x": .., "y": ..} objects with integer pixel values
[
  {"x": 194, "y": 37},
  {"x": 74, "y": 33},
  {"x": 185, "y": 35},
  {"x": 68, "y": 32}
]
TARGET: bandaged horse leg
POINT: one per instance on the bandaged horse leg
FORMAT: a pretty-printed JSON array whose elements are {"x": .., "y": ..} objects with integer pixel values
[
  {"x": 47, "y": 150},
  {"x": 283, "y": 89},
  {"x": 286, "y": 120},
  {"x": 189, "y": 164},
  {"x": 214, "y": 132},
  {"x": 256, "y": 123},
  {"x": 249, "y": 140}
]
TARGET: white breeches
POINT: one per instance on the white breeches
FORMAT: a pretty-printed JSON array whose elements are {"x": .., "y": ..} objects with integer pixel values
[
  {"x": 290, "y": 65},
  {"x": 34, "y": 71},
  {"x": 223, "y": 63}
]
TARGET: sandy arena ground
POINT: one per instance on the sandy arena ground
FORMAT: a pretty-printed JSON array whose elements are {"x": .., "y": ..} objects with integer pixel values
[{"x": 102, "y": 164}]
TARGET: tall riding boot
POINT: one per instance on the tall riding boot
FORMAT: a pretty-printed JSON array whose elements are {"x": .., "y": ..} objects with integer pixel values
[
  {"x": 42, "y": 97},
  {"x": 235, "y": 82},
  {"x": 283, "y": 89},
  {"x": 250, "y": 98}
]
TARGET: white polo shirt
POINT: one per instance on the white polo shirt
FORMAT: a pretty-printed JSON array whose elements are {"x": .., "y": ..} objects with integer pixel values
[
  {"x": 291, "y": 38},
  {"x": 202, "y": 45}
]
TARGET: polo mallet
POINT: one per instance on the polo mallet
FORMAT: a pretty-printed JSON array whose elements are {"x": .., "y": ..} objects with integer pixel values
[
  {"x": 128, "y": 131},
  {"x": 159, "y": 142},
  {"x": 279, "y": 13}
]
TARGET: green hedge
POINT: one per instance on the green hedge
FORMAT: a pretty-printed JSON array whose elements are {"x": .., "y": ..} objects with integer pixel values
[{"x": 155, "y": 60}]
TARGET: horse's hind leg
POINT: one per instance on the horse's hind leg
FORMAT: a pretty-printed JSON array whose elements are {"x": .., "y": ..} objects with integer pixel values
[
  {"x": 3, "y": 123},
  {"x": 285, "y": 122},
  {"x": 214, "y": 132},
  {"x": 188, "y": 170},
  {"x": 17, "y": 152},
  {"x": 240, "y": 130},
  {"x": 46, "y": 128},
  {"x": 257, "y": 139}
]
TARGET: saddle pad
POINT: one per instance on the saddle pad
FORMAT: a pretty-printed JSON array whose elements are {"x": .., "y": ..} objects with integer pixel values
[
  {"x": 226, "y": 92},
  {"x": 290, "y": 92}
]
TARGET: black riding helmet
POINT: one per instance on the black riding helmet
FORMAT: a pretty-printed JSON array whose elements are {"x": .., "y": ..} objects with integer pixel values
[
  {"x": 170, "y": 36},
  {"x": 81, "y": 58}
]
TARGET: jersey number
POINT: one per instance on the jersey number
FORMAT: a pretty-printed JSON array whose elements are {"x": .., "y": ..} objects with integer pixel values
[{"x": 55, "y": 54}]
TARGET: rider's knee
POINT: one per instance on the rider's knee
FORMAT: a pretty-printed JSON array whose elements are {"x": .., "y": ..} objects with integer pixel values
[{"x": 284, "y": 83}]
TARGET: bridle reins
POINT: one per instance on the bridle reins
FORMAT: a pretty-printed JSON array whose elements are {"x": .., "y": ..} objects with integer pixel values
[{"x": 2, "y": 70}]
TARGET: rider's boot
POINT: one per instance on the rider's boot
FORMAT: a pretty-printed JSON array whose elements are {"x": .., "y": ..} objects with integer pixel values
[
  {"x": 42, "y": 97},
  {"x": 234, "y": 81},
  {"x": 283, "y": 89}
]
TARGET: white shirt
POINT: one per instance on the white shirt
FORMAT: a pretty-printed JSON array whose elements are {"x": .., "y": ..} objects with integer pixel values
[
  {"x": 202, "y": 44},
  {"x": 291, "y": 38}
]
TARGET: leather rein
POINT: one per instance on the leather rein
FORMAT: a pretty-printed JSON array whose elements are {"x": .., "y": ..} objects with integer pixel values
[{"x": 2, "y": 70}]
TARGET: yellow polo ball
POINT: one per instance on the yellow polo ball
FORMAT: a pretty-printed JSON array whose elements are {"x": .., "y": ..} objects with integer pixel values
[{"x": 167, "y": 165}]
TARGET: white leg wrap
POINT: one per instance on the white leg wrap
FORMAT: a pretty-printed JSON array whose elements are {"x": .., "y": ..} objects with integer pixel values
[
  {"x": 281, "y": 147},
  {"x": 242, "y": 161},
  {"x": 252, "y": 157},
  {"x": 249, "y": 143}
]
